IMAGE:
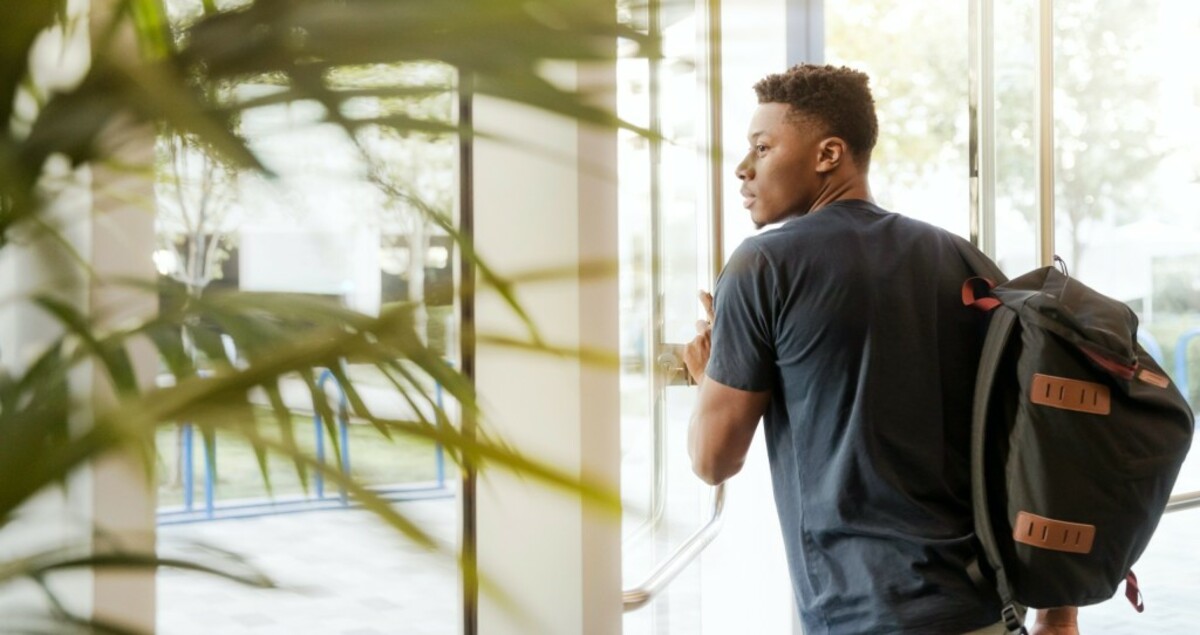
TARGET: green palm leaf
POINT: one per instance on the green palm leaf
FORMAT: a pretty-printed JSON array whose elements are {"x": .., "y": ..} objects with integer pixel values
[{"x": 306, "y": 48}]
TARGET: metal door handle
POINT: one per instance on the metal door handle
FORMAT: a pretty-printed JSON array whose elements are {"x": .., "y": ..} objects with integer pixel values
[
  {"x": 661, "y": 576},
  {"x": 668, "y": 364},
  {"x": 1186, "y": 500}
]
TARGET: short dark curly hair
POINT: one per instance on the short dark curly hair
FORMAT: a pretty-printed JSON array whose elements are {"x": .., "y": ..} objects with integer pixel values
[{"x": 838, "y": 97}]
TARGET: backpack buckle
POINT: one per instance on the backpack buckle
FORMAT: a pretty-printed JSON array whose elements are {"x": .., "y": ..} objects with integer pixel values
[{"x": 1012, "y": 620}]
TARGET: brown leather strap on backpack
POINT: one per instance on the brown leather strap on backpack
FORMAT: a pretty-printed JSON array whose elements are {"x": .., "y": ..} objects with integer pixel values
[{"x": 1056, "y": 535}]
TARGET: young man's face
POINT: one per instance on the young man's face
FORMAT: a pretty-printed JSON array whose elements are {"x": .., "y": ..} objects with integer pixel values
[{"x": 779, "y": 174}]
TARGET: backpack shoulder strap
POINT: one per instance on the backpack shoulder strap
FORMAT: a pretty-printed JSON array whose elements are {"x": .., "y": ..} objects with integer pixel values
[
  {"x": 999, "y": 330},
  {"x": 1000, "y": 327}
]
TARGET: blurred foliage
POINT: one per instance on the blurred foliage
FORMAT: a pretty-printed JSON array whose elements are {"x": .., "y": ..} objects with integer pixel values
[
  {"x": 336, "y": 53},
  {"x": 1108, "y": 137}
]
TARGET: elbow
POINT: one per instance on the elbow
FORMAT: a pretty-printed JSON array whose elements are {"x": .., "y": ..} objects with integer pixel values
[
  {"x": 714, "y": 471},
  {"x": 718, "y": 445}
]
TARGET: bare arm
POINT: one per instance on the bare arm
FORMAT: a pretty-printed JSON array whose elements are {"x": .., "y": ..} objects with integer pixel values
[
  {"x": 722, "y": 428},
  {"x": 1056, "y": 621},
  {"x": 725, "y": 418}
]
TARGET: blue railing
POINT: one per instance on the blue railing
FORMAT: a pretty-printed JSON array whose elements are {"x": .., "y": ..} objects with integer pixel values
[
  {"x": 211, "y": 510},
  {"x": 1150, "y": 343},
  {"x": 1181, "y": 363},
  {"x": 1181, "y": 373},
  {"x": 343, "y": 426}
]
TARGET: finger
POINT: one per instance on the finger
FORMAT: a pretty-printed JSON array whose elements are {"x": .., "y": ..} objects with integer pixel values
[
  {"x": 706, "y": 300},
  {"x": 702, "y": 327}
]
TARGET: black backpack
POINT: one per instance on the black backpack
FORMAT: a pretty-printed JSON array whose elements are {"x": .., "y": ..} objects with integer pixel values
[{"x": 1077, "y": 438}]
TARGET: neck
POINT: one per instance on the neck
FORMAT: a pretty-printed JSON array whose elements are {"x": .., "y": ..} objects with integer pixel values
[{"x": 836, "y": 189}]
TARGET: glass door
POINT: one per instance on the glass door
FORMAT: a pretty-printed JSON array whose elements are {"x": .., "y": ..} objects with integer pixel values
[
  {"x": 665, "y": 261},
  {"x": 1124, "y": 180}
]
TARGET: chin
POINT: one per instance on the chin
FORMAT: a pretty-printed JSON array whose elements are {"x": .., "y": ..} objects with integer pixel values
[{"x": 762, "y": 220}]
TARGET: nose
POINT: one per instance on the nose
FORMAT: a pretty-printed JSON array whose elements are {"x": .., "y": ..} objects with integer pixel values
[{"x": 744, "y": 170}]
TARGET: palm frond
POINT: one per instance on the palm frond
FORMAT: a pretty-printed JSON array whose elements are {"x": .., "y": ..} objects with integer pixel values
[
  {"x": 23, "y": 23},
  {"x": 306, "y": 48}
]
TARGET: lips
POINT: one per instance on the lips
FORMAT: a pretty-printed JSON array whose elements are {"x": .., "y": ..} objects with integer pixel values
[{"x": 747, "y": 199}]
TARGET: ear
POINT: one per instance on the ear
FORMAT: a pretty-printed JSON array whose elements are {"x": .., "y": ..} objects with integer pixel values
[{"x": 831, "y": 151}]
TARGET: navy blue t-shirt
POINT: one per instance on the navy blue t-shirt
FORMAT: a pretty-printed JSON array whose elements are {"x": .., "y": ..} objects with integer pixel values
[{"x": 852, "y": 317}]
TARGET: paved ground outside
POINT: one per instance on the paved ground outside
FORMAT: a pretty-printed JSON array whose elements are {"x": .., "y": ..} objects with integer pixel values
[
  {"x": 352, "y": 576},
  {"x": 348, "y": 575}
]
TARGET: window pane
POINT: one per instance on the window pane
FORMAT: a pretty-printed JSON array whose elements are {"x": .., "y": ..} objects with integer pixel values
[
  {"x": 916, "y": 56},
  {"x": 329, "y": 226},
  {"x": 1127, "y": 178},
  {"x": 1127, "y": 167},
  {"x": 662, "y": 249}
]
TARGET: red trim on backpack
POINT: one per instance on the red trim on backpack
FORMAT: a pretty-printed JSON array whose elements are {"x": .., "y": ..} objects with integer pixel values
[
  {"x": 972, "y": 299},
  {"x": 1133, "y": 593},
  {"x": 1124, "y": 371}
]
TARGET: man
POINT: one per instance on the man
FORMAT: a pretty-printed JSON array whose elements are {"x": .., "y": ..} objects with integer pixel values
[{"x": 844, "y": 330}]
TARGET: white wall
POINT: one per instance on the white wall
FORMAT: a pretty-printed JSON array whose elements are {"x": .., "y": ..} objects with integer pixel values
[
  {"x": 556, "y": 559},
  {"x": 342, "y": 262}
]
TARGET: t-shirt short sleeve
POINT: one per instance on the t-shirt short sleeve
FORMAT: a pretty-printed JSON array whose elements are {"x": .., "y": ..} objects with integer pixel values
[{"x": 743, "y": 341}]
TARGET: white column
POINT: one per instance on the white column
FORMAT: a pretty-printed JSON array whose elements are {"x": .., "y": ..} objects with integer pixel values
[
  {"x": 555, "y": 558},
  {"x": 116, "y": 488},
  {"x": 121, "y": 242}
]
